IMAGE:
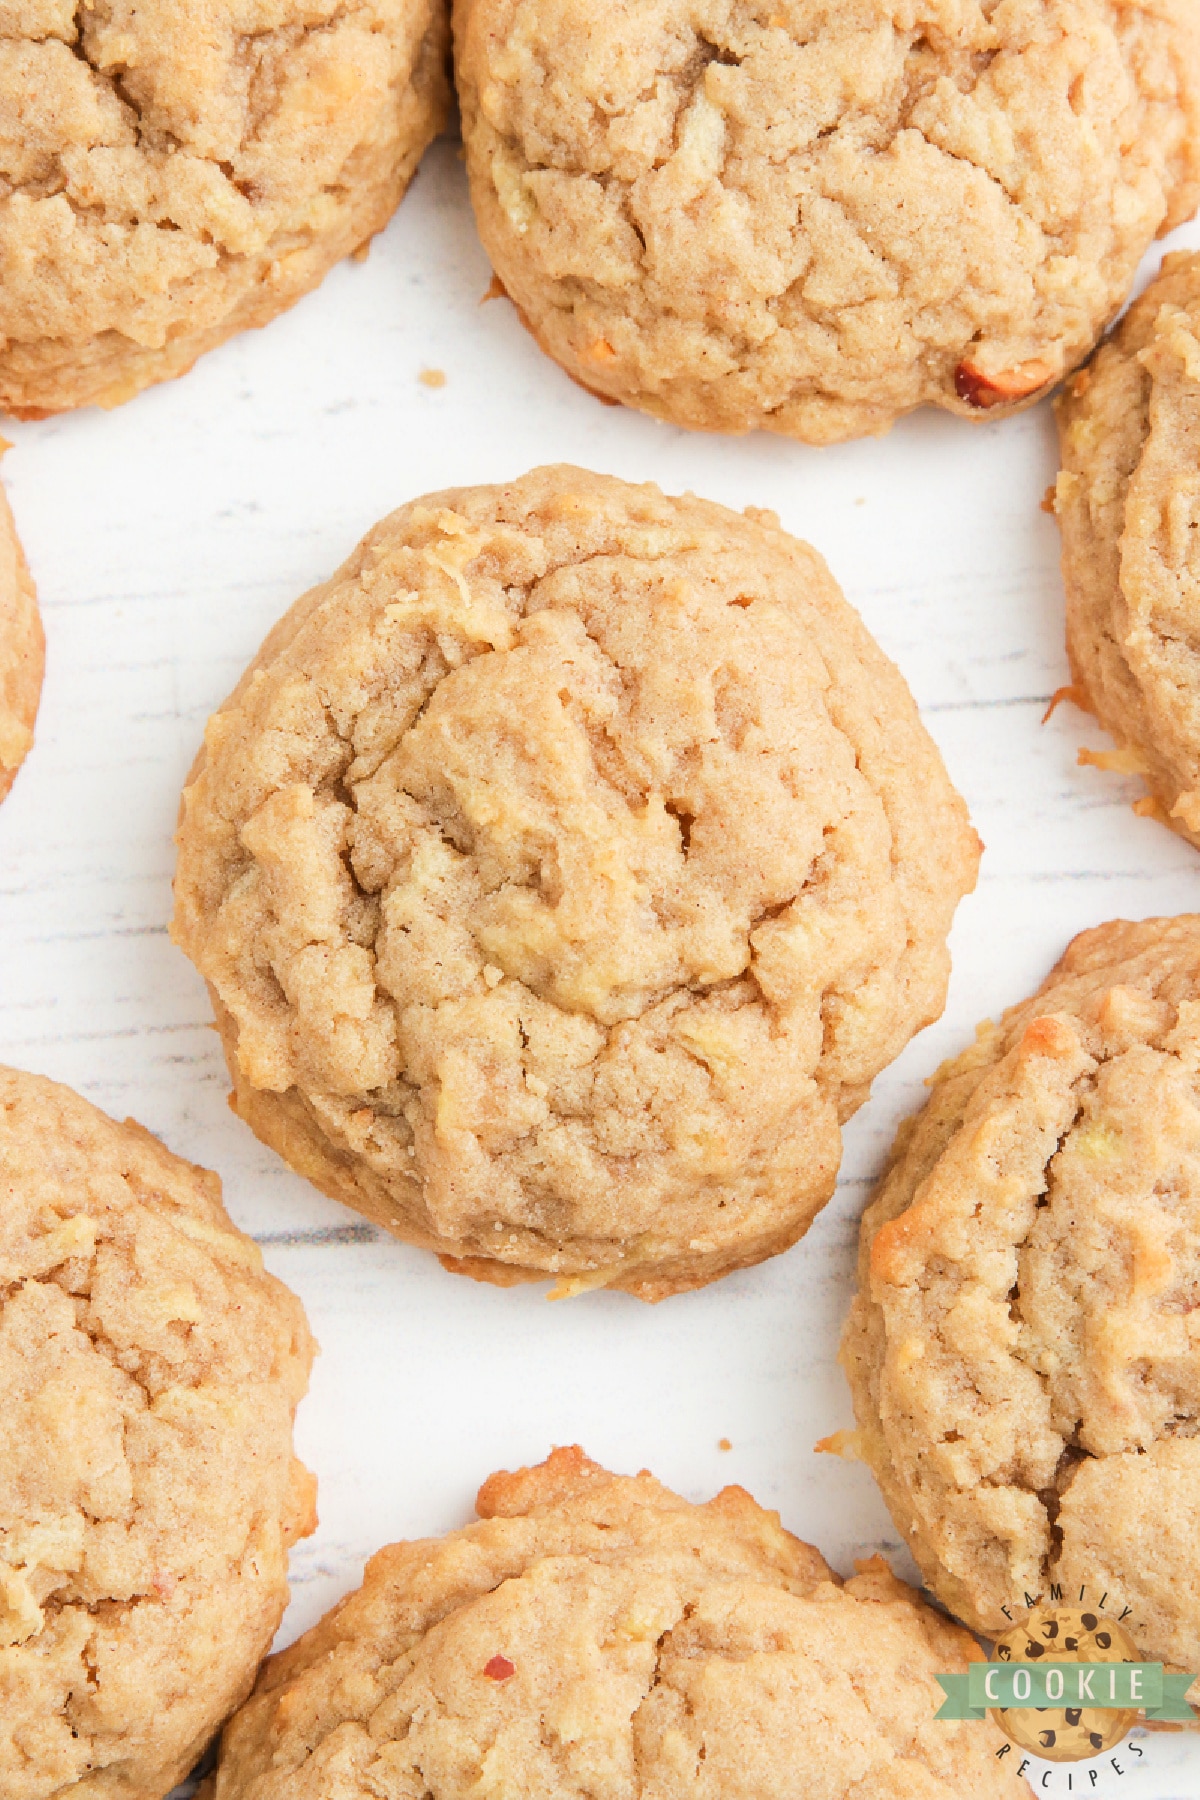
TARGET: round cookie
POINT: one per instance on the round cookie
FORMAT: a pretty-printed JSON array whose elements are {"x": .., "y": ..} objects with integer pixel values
[
  {"x": 149, "y": 1371},
  {"x": 174, "y": 175},
  {"x": 810, "y": 218},
  {"x": 597, "y": 1635},
  {"x": 1065, "y": 1634},
  {"x": 1024, "y": 1350},
  {"x": 563, "y": 872},
  {"x": 1128, "y": 503},
  {"x": 22, "y": 652}
]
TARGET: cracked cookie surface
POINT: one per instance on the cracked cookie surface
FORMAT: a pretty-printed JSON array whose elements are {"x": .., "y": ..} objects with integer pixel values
[
  {"x": 813, "y": 217},
  {"x": 22, "y": 652},
  {"x": 149, "y": 1371},
  {"x": 1024, "y": 1350},
  {"x": 169, "y": 177},
  {"x": 563, "y": 871},
  {"x": 1128, "y": 503},
  {"x": 595, "y": 1635}
]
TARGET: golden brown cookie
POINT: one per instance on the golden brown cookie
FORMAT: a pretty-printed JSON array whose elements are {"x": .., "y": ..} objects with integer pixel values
[
  {"x": 22, "y": 652},
  {"x": 172, "y": 175},
  {"x": 1024, "y": 1351},
  {"x": 563, "y": 871},
  {"x": 1128, "y": 502},
  {"x": 810, "y": 218},
  {"x": 598, "y": 1636},
  {"x": 149, "y": 1371}
]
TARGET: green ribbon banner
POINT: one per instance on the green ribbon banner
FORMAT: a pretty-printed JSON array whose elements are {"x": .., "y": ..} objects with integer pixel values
[{"x": 1112, "y": 1687}]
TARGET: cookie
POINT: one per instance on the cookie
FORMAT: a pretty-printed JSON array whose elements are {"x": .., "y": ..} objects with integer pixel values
[
  {"x": 595, "y": 1634},
  {"x": 1128, "y": 503},
  {"x": 22, "y": 652},
  {"x": 563, "y": 871},
  {"x": 172, "y": 176},
  {"x": 1024, "y": 1350},
  {"x": 149, "y": 1370},
  {"x": 1066, "y": 1634},
  {"x": 811, "y": 219}
]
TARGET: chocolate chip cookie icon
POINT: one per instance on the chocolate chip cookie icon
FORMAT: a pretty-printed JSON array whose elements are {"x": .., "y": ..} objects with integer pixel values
[{"x": 1063, "y": 1635}]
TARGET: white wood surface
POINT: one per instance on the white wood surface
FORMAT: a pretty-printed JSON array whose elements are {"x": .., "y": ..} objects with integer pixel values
[{"x": 166, "y": 537}]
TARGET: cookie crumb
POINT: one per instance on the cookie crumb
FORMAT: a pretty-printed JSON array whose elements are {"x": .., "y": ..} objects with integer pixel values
[
  {"x": 432, "y": 378},
  {"x": 839, "y": 1443},
  {"x": 724, "y": 1444}
]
